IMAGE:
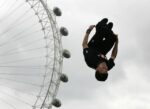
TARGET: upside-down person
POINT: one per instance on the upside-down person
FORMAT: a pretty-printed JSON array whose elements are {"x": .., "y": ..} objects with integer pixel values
[{"x": 96, "y": 49}]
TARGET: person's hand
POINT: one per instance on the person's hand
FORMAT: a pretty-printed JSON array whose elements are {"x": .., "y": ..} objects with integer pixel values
[{"x": 88, "y": 31}]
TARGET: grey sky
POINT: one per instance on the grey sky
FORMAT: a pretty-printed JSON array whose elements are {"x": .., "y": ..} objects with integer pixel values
[{"x": 128, "y": 84}]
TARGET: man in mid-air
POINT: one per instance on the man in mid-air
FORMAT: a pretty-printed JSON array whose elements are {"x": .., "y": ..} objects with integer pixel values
[{"x": 96, "y": 49}]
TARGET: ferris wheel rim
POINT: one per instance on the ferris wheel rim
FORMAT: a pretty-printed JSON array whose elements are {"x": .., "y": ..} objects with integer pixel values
[
  {"x": 57, "y": 46},
  {"x": 54, "y": 27}
]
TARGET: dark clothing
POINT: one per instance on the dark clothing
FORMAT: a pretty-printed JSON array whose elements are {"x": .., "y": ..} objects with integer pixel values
[
  {"x": 102, "y": 41},
  {"x": 92, "y": 59}
]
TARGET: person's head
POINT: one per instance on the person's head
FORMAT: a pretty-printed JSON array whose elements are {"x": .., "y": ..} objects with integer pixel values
[{"x": 101, "y": 73}]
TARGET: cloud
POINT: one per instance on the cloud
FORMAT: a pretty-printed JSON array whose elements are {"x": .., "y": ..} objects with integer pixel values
[{"x": 128, "y": 84}]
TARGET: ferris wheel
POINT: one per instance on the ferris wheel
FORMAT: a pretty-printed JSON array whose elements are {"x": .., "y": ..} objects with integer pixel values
[{"x": 31, "y": 55}]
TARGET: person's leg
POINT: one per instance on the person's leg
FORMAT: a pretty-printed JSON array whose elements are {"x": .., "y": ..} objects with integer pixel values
[
  {"x": 95, "y": 40},
  {"x": 99, "y": 35},
  {"x": 106, "y": 41}
]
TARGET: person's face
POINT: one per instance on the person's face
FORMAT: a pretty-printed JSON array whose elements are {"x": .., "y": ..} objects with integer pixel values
[{"x": 102, "y": 68}]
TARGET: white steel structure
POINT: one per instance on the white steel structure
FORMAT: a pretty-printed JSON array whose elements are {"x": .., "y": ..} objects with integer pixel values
[{"x": 31, "y": 56}]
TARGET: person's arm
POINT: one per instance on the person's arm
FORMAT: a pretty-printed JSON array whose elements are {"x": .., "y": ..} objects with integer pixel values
[
  {"x": 115, "y": 49},
  {"x": 86, "y": 37}
]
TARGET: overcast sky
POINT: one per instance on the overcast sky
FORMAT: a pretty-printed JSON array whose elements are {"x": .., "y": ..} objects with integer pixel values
[{"x": 127, "y": 86}]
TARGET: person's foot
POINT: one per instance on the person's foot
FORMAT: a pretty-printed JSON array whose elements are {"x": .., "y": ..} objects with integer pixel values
[
  {"x": 101, "y": 24},
  {"x": 108, "y": 28},
  {"x": 104, "y": 28},
  {"x": 110, "y": 25}
]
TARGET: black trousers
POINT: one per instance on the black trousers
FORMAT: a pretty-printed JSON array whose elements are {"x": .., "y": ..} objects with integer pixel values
[{"x": 102, "y": 42}]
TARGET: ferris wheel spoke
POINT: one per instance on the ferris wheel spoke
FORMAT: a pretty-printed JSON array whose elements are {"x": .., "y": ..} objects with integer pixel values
[
  {"x": 24, "y": 67},
  {"x": 12, "y": 5},
  {"x": 22, "y": 60},
  {"x": 31, "y": 54},
  {"x": 24, "y": 45},
  {"x": 19, "y": 19},
  {"x": 20, "y": 82},
  {"x": 16, "y": 23},
  {"x": 19, "y": 37},
  {"x": 18, "y": 34},
  {"x": 23, "y": 51},
  {"x": 27, "y": 35},
  {"x": 16, "y": 98},
  {"x": 11, "y": 12},
  {"x": 6, "y": 102},
  {"x": 22, "y": 74},
  {"x": 19, "y": 90}
]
